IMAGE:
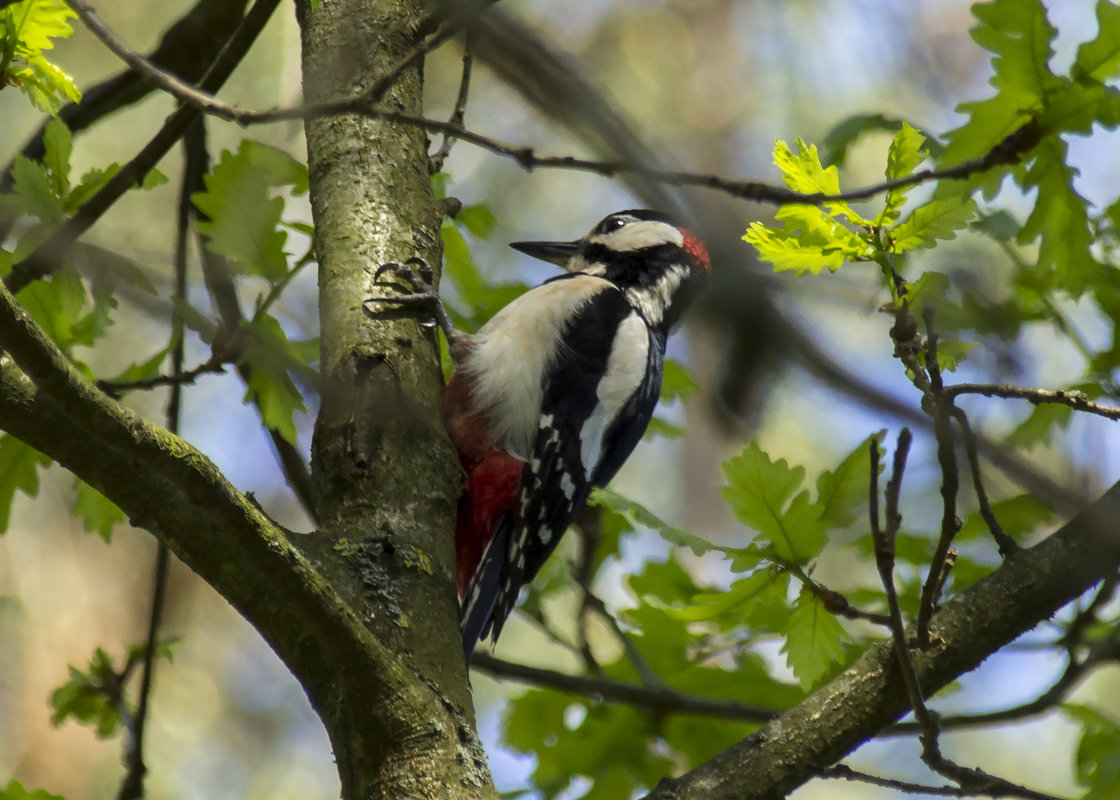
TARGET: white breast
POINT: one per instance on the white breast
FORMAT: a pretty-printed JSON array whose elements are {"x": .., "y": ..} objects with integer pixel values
[{"x": 512, "y": 352}]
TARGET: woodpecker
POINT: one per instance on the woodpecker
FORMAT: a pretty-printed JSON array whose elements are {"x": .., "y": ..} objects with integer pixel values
[{"x": 551, "y": 395}]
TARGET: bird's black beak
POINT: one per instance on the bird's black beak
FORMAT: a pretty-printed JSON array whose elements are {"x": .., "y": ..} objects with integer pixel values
[{"x": 554, "y": 252}]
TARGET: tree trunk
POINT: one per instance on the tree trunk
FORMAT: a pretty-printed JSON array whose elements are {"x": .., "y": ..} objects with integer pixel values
[{"x": 386, "y": 475}]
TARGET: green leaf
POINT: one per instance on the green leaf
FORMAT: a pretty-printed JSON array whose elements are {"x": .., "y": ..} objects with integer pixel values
[
  {"x": 937, "y": 219},
  {"x": 1017, "y": 516},
  {"x": 478, "y": 219},
  {"x": 1098, "y": 752},
  {"x": 1040, "y": 424},
  {"x": 89, "y": 184},
  {"x": 843, "y": 490},
  {"x": 1060, "y": 219},
  {"x": 905, "y": 153},
  {"x": 1099, "y": 59},
  {"x": 98, "y": 513},
  {"x": 951, "y": 353},
  {"x": 676, "y": 382},
  {"x": 58, "y": 146},
  {"x": 269, "y": 356},
  {"x": 26, "y": 30},
  {"x": 88, "y": 696},
  {"x": 814, "y": 640},
  {"x": 759, "y": 492},
  {"x": 809, "y": 241},
  {"x": 482, "y": 299},
  {"x": 19, "y": 471},
  {"x": 243, "y": 213},
  {"x": 15, "y": 791},
  {"x": 56, "y": 304},
  {"x": 802, "y": 171},
  {"x": 32, "y": 183},
  {"x": 36, "y": 22},
  {"x": 1018, "y": 35},
  {"x": 848, "y": 131},
  {"x": 637, "y": 514}
]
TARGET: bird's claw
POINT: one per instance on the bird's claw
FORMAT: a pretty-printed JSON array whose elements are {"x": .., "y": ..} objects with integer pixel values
[{"x": 419, "y": 276}]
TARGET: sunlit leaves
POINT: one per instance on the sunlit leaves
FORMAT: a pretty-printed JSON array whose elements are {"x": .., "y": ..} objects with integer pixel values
[
  {"x": 904, "y": 155},
  {"x": 28, "y": 28},
  {"x": 936, "y": 220},
  {"x": 768, "y": 496},
  {"x": 1099, "y": 58}
]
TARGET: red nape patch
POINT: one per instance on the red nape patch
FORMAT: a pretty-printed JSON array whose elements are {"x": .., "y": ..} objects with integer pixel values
[
  {"x": 696, "y": 249},
  {"x": 493, "y": 483}
]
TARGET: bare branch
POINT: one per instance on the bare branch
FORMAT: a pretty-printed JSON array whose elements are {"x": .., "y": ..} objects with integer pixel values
[
  {"x": 458, "y": 114},
  {"x": 47, "y": 257},
  {"x": 1008, "y": 151},
  {"x": 1006, "y": 544},
  {"x": 214, "y": 364},
  {"x": 1078, "y": 401},
  {"x": 939, "y": 408},
  {"x": 844, "y": 772},
  {"x": 659, "y": 700}
]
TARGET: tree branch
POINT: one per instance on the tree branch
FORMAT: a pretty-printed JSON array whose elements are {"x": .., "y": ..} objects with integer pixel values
[
  {"x": 1078, "y": 401},
  {"x": 48, "y": 256},
  {"x": 655, "y": 699},
  {"x": 1008, "y": 151},
  {"x": 1030, "y": 587}
]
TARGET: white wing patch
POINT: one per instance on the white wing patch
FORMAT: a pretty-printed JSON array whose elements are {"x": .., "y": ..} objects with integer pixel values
[{"x": 626, "y": 369}]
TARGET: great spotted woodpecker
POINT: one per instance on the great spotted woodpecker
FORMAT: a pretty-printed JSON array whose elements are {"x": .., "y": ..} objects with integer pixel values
[{"x": 549, "y": 398}]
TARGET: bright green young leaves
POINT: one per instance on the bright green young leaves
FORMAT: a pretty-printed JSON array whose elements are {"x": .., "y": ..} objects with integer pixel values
[
  {"x": 26, "y": 30},
  {"x": 813, "y": 238}
]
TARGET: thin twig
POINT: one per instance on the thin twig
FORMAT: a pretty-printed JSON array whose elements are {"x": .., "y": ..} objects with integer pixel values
[
  {"x": 971, "y": 781},
  {"x": 1006, "y": 544},
  {"x": 1101, "y": 653},
  {"x": 458, "y": 113},
  {"x": 938, "y": 407},
  {"x": 844, "y": 772},
  {"x": 1008, "y": 151},
  {"x": 1078, "y": 401},
  {"x": 214, "y": 364},
  {"x": 132, "y": 787},
  {"x": 48, "y": 256},
  {"x": 660, "y": 700}
]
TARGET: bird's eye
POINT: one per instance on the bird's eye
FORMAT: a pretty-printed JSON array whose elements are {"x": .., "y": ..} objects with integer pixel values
[{"x": 612, "y": 224}]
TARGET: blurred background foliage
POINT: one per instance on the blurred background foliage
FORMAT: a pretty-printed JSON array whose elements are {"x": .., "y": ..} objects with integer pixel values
[{"x": 710, "y": 84}]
